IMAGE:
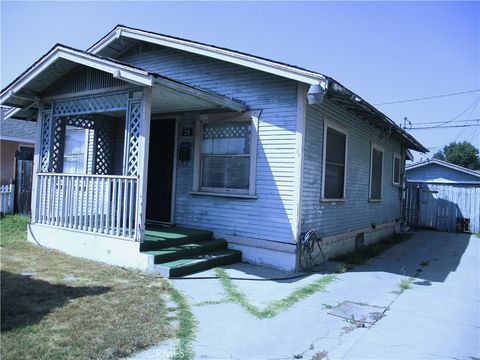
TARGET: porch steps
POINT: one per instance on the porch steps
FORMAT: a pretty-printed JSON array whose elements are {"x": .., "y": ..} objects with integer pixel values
[{"x": 181, "y": 251}]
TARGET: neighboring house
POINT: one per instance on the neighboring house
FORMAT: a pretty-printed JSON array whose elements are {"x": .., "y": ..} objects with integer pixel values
[
  {"x": 441, "y": 172},
  {"x": 15, "y": 135},
  {"x": 145, "y": 129},
  {"x": 443, "y": 196}
]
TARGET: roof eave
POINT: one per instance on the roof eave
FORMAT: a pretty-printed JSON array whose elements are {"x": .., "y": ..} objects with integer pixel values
[
  {"x": 123, "y": 72},
  {"x": 238, "y": 58}
]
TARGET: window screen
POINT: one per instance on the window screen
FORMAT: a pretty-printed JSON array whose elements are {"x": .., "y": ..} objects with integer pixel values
[
  {"x": 225, "y": 155},
  {"x": 396, "y": 170},
  {"x": 335, "y": 164},
  {"x": 376, "y": 175},
  {"x": 74, "y": 151}
]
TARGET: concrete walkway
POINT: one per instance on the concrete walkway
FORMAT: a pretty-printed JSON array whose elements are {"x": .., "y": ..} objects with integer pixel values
[{"x": 437, "y": 318}]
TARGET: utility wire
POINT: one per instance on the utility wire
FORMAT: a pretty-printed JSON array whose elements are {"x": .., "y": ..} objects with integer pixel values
[
  {"x": 444, "y": 127},
  {"x": 472, "y": 106},
  {"x": 427, "y": 98},
  {"x": 441, "y": 122}
]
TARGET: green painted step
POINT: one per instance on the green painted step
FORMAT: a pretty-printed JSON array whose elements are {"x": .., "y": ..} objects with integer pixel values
[
  {"x": 191, "y": 264},
  {"x": 161, "y": 238},
  {"x": 191, "y": 249}
]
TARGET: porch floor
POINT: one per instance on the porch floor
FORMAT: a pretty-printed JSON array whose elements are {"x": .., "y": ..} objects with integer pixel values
[{"x": 179, "y": 251}]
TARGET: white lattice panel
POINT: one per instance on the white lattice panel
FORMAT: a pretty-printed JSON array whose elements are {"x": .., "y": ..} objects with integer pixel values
[
  {"x": 89, "y": 105},
  {"x": 133, "y": 126},
  {"x": 46, "y": 137}
]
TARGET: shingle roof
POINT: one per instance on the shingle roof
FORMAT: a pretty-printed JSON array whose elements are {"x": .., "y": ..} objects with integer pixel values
[{"x": 15, "y": 129}]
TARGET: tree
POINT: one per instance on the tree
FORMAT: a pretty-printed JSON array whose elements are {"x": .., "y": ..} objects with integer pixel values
[
  {"x": 462, "y": 153},
  {"x": 439, "y": 155}
]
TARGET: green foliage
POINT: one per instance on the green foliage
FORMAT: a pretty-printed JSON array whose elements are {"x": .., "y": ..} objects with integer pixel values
[
  {"x": 461, "y": 153},
  {"x": 13, "y": 229},
  {"x": 439, "y": 155},
  {"x": 406, "y": 284},
  {"x": 186, "y": 328},
  {"x": 362, "y": 254},
  {"x": 275, "y": 306}
]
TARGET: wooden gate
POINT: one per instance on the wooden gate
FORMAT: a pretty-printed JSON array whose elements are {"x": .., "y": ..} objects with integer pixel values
[
  {"x": 23, "y": 180},
  {"x": 443, "y": 207}
]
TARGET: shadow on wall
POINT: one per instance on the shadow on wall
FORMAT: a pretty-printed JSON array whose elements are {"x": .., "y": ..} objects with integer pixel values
[{"x": 26, "y": 301}]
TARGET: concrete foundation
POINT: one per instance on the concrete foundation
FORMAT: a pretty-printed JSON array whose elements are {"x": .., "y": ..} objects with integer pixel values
[{"x": 105, "y": 249}]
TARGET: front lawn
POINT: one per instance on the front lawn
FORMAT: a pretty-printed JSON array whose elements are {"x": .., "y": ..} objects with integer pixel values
[{"x": 55, "y": 306}]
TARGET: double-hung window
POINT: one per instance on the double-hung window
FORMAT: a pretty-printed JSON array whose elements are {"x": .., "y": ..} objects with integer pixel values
[
  {"x": 74, "y": 153},
  {"x": 396, "y": 168},
  {"x": 376, "y": 173},
  {"x": 227, "y": 155},
  {"x": 334, "y": 163}
]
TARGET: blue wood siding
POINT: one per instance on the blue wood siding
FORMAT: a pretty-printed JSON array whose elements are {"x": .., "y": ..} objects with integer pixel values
[
  {"x": 269, "y": 216},
  {"x": 356, "y": 211},
  {"x": 432, "y": 172}
]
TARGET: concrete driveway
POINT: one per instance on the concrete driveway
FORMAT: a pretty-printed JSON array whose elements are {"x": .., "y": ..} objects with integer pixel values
[{"x": 438, "y": 317}]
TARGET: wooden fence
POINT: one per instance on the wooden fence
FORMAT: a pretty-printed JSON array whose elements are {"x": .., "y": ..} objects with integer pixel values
[
  {"x": 100, "y": 204},
  {"x": 443, "y": 207},
  {"x": 7, "y": 196}
]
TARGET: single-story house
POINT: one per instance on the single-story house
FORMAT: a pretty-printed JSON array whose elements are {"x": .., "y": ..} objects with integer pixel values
[
  {"x": 15, "y": 135},
  {"x": 443, "y": 196},
  {"x": 158, "y": 152}
]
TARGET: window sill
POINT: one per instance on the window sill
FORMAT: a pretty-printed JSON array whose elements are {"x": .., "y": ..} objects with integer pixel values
[
  {"x": 396, "y": 184},
  {"x": 332, "y": 200},
  {"x": 374, "y": 200},
  {"x": 228, "y": 195}
]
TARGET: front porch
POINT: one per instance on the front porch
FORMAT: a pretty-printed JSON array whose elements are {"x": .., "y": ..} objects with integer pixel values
[{"x": 94, "y": 190}]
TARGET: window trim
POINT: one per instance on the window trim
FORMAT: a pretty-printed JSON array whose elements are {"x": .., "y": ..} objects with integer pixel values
[
  {"x": 382, "y": 149},
  {"x": 328, "y": 124},
  {"x": 85, "y": 154},
  {"x": 396, "y": 155},
  {"x": 201, "y": 120}
]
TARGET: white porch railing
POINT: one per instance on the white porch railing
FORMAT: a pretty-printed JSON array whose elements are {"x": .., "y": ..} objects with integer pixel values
[
  {"x": 6, "y": 198},
  {"x": 100, "y": 204}
]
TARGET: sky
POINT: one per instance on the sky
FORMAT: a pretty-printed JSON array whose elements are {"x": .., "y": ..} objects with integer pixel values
[{"x": 383, "y": 51}]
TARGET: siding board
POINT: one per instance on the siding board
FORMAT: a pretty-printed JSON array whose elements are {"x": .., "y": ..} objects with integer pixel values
[
  {"x": 269, "y": 216},
  {"x": 356, "y": 212}
]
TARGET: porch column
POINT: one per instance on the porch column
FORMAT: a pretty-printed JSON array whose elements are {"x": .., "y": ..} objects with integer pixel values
[
  {"x": 144, "y": 140},
  {"x": 36, "y": 162}
]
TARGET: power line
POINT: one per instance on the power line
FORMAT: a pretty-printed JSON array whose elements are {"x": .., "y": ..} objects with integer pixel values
[
  {"x": 441, "y": 122},
  {"x": 443, "y": 127},
  {"x": 472, "y": 106},
  {"x": 427, "y": 98}
]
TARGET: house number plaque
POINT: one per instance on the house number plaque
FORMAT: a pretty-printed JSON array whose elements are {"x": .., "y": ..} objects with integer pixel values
[{"x": 187, "y": 132}]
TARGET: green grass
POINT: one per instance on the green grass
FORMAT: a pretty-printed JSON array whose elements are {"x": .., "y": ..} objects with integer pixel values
[
  {"x": 275, "y": 306},
  {"x": 107, "y": 312},
  {"x": 362, "y": 254},
  {"x": 405, "y": 284},
  {"x": 187, "y": 325}
]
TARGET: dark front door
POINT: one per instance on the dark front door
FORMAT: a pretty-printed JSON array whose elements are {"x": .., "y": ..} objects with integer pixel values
[{"x": 160, "y": 170}]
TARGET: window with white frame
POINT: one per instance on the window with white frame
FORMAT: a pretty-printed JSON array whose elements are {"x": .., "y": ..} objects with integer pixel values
[
  {"x": 334, "y": 160},
  {"x": 74, "y": 154},
  {"x": 376, "y": 173},
  {"x": 396, "y": 168},
  {"x": 227, "y": 154}
]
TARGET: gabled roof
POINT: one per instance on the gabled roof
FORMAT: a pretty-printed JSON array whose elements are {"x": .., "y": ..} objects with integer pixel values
[
  {"x": 107, "y": 46},
  {"x": 121, "y": 37},
  {"x": 24, "y": 91},
  {"x": 444, "y": 164}
]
